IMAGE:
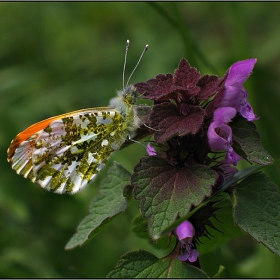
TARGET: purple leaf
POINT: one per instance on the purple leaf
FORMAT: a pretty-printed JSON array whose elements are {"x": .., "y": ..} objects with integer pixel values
[
  {"x": 209, "y": 85},
  {"x": 168, "y": 121},
  {"x": 186, "y": 78},
  {"x": 185, "y": 86},
  {"x": 155, "y": 88}
]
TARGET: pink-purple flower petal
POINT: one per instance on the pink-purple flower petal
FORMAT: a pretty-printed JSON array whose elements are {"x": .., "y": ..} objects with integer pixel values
[
  {"x": 185, "y": 233},
  {"x": 184, "y": 256},
  {"x": 184, "y": 230},
  {"x": 240, "y": 71},
  {"x": 193, "y": 255},
  {"x": 233, "y": 94},
  {"x": 150, "y": 150},
  {"x": 220, "y": 133}
]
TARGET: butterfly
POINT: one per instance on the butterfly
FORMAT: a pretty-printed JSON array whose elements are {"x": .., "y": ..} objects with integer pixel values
[{"x": 64, "y": 153}]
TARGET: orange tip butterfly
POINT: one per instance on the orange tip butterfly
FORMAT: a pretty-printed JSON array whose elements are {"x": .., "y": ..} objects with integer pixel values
[{"x": 64, "y": 153}]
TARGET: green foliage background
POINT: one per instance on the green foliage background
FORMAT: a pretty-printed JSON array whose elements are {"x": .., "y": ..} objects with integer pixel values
[{"x": 60, "y": 57}]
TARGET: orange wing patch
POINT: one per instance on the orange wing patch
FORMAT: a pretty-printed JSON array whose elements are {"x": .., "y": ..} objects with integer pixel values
[
  {"x": 37, "y": 127},
  {"x": 30, "y": 131}
]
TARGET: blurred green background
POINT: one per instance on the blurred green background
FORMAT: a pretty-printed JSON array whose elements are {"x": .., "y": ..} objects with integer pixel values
[{"x": 60, "y": 57}]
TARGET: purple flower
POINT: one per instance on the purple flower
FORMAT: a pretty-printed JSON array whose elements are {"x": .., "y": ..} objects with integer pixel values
[
  {"x": 185, "y": 233},
  {"x": 220, "y": 133},
  {"x": 233, "y": 93},
  {"x": 227, "y": 169},
  {"x": 150, "y": 150}
]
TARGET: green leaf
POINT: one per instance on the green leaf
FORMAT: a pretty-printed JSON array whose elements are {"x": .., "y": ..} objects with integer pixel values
[
  {"x": 234, "y": 179},
  {"x": 140, "y": 228},
  {"x": 142, "y": 264},
  {"x": 247, "y": 142},
  {"x": 140, "y": 225},
  {"x": 105, "y": 206},
  {"x": 167, "y": 192},
  {"x": 257, "y": 210}
]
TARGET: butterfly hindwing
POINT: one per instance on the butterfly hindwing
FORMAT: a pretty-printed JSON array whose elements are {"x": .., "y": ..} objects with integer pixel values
[{"x": 69, "y": 152}]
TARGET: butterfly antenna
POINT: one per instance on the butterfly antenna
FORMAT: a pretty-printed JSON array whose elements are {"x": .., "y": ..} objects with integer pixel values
[
  {"x": 125, "y": 57},
  {"x": 143, "y": 52},
  {"x": 146, "y": 125}
]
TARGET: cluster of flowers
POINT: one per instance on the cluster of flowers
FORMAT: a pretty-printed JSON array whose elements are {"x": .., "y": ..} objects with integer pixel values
[{"x": 191, "y": 117}]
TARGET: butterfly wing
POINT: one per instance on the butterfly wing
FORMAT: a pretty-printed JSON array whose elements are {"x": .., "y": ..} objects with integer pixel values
[{"x": 64, "y": 153}]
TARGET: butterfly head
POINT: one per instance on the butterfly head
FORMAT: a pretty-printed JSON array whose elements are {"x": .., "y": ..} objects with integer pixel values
[{"x": 129, "y": 94}]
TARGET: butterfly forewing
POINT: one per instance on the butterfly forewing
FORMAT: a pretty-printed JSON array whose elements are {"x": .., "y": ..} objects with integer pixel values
[{"x": 68, "y": 150}]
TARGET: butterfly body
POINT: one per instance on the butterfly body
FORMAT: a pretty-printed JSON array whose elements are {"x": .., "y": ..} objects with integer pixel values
[{"x": 64, "y": 153}]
